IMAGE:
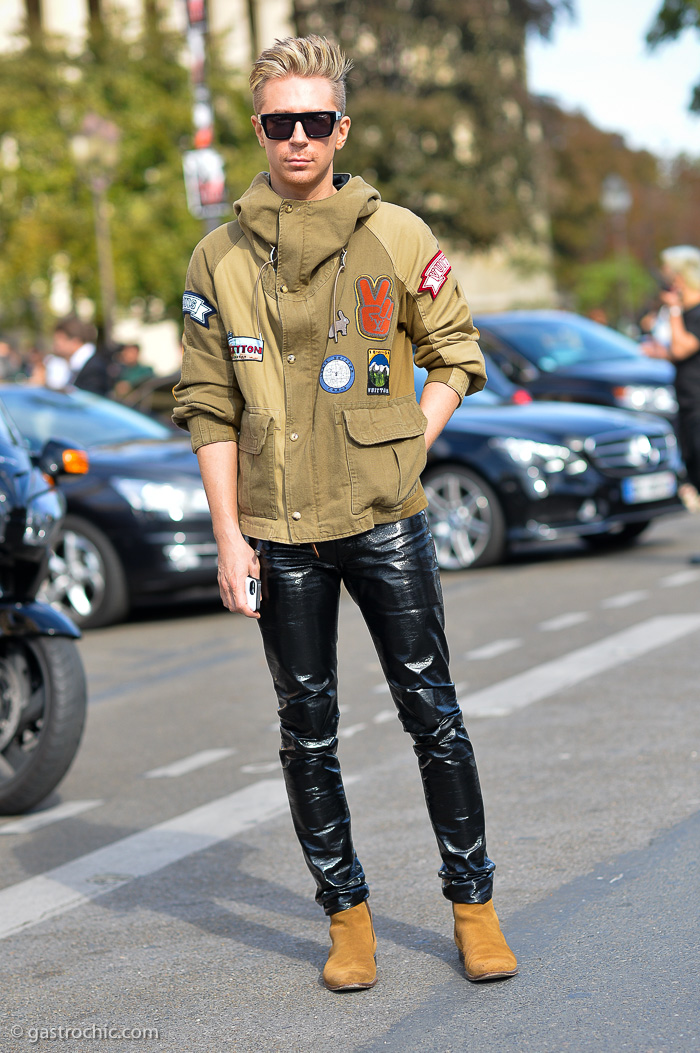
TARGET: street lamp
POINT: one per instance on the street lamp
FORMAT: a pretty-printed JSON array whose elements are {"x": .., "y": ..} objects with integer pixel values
[
  {"x": 96, "y": 152},
  {"x": 616, "y": 200}
]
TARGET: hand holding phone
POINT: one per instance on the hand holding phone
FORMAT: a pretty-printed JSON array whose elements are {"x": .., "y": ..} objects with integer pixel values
[{"x": 253, "y": 593}]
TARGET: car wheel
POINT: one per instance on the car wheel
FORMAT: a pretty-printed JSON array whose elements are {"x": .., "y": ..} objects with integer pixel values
[
  {"x": 617, "y": 538},
  {"x": 465, "y": 516},
  {"x": 85, "y": 578}
]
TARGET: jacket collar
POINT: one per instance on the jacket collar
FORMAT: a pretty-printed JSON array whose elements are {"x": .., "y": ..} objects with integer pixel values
[{"x": 312, "y": 232}]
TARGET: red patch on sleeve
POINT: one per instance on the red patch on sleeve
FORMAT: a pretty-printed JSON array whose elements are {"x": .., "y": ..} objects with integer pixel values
[{"x": 435, "y": 274}]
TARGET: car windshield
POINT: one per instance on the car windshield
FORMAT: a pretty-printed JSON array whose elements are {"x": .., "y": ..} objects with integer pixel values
[
  {"x": 555, "y": 343},
  {"x": 79, "y": 417}
]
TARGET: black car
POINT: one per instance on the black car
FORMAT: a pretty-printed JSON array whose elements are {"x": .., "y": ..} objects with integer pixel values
[
  {"x": 503, "y": 473},
  {"x": 138, "y": 526},
  {"x": 556, "y": 355}
]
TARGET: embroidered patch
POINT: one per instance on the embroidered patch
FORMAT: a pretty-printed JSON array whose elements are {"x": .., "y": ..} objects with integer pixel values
[
  {"x": 337, "y": 374},
  {"x": 197, "y": 308},
  {"x": 375, "y": 306},
  {"x": 245, "y": 348},
  {"x": 435, "y": 274},
  {"x": 378, "y": 371},
  {"x": 339, "y": 328}
]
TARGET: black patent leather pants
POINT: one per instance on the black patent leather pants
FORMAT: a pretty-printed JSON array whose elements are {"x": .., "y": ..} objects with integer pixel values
[{"x": 391, "y": 573}]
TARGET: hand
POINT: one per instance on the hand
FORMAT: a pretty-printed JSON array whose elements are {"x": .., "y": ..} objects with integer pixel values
[
  {"x": 237, "y": 560},
  {"x": 653, "y": 349},
  {"x": 671, "y": 298}
]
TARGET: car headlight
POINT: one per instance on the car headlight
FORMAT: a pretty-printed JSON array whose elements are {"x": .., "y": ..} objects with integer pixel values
[
  {"x": 646, "y": 397},
  {"x": 163, "y": 499},
  {"x": 540, "y": 460}
]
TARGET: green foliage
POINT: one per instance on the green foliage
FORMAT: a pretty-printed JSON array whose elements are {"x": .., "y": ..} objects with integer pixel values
[
  {"x": 441, "y": 107},
  {"x": 672, "y": 19},
  {"x": 619, "y": 285},
  {"x": 46, "y": 205}
]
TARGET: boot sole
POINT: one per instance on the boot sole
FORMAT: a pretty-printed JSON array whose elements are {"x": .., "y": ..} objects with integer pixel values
[
  {"x": 490, "y": 976},
  {"x": 351, "y": 987}
]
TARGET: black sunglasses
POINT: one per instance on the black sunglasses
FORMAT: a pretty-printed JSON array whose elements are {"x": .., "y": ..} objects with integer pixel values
[{"x": 317, "y": 124}]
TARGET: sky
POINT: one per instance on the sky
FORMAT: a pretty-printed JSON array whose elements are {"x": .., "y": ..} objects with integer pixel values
[{"x": 599, "y": 64}]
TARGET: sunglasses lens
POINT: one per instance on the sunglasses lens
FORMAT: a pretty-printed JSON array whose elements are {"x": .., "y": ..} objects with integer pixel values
[
  {"x": 279, "y": 126},
  {"x": 319, "y": 125}
]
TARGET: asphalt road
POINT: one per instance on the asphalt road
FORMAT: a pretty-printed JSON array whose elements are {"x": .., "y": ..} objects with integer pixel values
[{"x": 161, "y": 887}]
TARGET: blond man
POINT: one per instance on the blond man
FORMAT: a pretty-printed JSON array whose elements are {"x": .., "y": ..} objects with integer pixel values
[{"x": 297, "y": 387}]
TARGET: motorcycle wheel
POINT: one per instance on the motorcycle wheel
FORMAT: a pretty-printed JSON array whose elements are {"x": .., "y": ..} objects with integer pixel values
[{"x": 43, "y": 700}]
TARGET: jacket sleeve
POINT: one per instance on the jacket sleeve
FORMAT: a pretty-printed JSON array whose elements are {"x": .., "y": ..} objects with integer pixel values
[
  {"x": 209, "y": 401},
  {"x": 438, "y": 319}
]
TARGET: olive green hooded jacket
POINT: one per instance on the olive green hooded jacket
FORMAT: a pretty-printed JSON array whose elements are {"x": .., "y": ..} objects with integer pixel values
[{"x": 330, "y": 436}]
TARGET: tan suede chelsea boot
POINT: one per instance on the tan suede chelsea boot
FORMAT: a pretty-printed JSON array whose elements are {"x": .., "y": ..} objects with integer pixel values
[
  {"x": 478, "y": 936},
  {"x": 351, "y": 965}
]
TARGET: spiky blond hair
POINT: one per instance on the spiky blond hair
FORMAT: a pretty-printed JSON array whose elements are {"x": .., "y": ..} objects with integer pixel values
[
  {"x": 684, "y": 260},
  {"x": 311, "y": 56}
]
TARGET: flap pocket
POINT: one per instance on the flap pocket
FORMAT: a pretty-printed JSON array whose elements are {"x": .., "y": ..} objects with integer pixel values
[
  {"x": 397, "y": 420},
  {"x": 253, "y": 431}
]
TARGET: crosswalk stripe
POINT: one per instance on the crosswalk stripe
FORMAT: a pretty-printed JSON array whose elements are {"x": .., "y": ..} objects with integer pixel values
[
  {"x": 137, "y": 855},
  {"x": 544, "y": 680},
  {"x": 624, "y": 599},
  {"x": 188, "y": 764},
  {"x": 493, "y": 650},
  {"x": 28, "y": 823},
  {"x": 563, "y": 621}
]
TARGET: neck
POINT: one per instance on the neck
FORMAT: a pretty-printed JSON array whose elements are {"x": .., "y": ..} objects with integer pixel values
[
  {"x": 323, "y": 189},
  {"x": 691, "y": 297}
]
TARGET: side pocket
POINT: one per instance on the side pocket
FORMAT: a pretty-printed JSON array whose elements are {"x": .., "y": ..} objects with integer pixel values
[
  {"x": 386, "y": 453},
  {"x": 257, "y": 492}
]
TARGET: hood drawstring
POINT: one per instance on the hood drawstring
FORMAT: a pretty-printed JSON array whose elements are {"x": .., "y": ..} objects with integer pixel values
[
  {"x": 270, "y": 262},
  {"x": 334, "y": 326}
]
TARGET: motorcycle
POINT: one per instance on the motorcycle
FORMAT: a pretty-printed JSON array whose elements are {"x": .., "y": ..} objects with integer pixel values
[{"x": 43, "y": 697}]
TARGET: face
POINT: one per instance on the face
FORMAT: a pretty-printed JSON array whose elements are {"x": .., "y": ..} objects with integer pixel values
[
  {"x": 63, "y": 345},
  {"x": 301, "y": 168}
]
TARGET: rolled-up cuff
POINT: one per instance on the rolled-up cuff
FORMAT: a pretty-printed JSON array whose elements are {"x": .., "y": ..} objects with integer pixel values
[
  {"x": 206, "y": 429},
  {"x": 458, "y": 379}
]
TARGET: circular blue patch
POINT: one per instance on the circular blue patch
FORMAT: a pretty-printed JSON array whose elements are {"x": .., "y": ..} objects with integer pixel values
[{"x": 337, "y": 374}]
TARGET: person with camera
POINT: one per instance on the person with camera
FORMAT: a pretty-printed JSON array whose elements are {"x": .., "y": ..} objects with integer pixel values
[
  {"x": 297, "y": 389},
  {"x": 681, "y": 271}
]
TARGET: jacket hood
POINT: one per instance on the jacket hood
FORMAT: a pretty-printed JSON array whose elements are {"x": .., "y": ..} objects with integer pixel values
[{"x": 313, "y": 231}]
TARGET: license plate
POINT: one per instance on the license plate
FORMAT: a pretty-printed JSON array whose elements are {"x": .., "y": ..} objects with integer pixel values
[{"x": 640, "y": 488}]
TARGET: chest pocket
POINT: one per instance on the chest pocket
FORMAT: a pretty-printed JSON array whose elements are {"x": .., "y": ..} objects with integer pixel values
[
  {"x": 257, "y": 491},
  {"x": 385, "y": 452}
]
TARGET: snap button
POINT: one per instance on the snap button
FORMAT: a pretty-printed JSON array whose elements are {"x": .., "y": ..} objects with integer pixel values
[
  {"x": 296, "y": 515},
  {"x": 291, "y": 358},
  {"x": 287, "y": 208},
  {"x": 294, "y": 436},
  {"x": 283, "y": 288}
]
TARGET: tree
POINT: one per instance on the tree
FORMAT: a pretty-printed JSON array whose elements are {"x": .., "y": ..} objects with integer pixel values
[
  {"x": 46, "y": 214},
  {"x": 442, "y": 110},
  {"x": 672, "y": 19}
]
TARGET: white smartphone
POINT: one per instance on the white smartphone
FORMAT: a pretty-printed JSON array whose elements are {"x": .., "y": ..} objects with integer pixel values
[{"x": 253, "y": 592}]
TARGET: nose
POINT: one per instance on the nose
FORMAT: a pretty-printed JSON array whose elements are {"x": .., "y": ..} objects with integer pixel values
[{"x": 299, "y": 135}]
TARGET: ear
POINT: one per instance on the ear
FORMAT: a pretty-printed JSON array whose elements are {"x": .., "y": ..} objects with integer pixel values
[
  {"x": 258, "y": 130},
  {"x": 343, "y": 129}
]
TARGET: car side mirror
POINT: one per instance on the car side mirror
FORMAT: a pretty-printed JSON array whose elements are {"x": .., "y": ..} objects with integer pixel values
[{"x": 58, "y": 458}]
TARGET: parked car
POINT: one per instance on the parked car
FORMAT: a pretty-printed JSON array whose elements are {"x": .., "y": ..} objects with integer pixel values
[
  {"x": 137, "y": 527},
  {"x": 556, "y": 355},
  {"x": 503, "y": 473}
]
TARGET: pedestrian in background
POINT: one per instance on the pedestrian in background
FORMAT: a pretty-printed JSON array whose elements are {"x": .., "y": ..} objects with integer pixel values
[
  {"x": 297, "y": 388},
  {"x": 681, "y": 270},
  {"x": 75, "y": 360}
]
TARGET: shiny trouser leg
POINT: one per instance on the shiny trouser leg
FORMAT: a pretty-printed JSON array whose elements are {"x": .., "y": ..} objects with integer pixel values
[{"x": 391, "y": 573}]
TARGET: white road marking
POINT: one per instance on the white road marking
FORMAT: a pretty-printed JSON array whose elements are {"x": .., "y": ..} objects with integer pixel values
[
  {"x": 681, "y": 577},
  {"x": 563, "y": 621},
  {"x": 138, "y": 855},
  {"x": 625, "y": 599},
  {"x": 188, "y": 764},
  {"x": 36, "y": 820},
  {"x": 384, "y": 716},
  {"x": 347, "y": 733},
  {"x": 547, "y": 679},
  {"x": 260, "y": 768},
  {"x": 493, "y": 650}
]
